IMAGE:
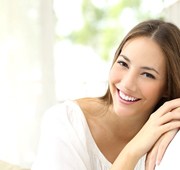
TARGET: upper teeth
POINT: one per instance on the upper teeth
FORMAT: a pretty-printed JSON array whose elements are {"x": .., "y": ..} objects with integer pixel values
[{"x": 125, "y": 97}]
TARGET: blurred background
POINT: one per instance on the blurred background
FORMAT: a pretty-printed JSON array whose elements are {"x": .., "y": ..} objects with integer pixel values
[{"x": 55, "y": 50}]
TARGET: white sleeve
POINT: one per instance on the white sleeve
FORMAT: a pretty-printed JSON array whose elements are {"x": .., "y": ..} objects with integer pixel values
[
  {"x": 171, "y": 159},
  {"x": 60, "y": 148}
]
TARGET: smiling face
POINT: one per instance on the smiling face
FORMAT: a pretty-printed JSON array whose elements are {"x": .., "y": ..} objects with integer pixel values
[{"x": 137, "y": 78}]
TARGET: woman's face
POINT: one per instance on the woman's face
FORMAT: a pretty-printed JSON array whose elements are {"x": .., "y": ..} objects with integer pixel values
[{"x": 137, "y": 79}]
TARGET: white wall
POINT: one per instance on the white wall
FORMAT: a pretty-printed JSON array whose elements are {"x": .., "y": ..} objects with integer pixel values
[{"x": 172, "y": 12}]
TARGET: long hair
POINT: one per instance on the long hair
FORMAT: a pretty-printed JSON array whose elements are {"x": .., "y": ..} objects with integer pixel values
[{"x": 167, "y": 36}]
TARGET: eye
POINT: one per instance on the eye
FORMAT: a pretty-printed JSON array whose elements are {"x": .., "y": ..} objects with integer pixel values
[
  {"x": 149, "y": 75},
  {"x": 122, "y": 63}
]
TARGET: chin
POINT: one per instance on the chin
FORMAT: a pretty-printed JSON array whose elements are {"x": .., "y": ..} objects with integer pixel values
[{"x": 124, "y": 112}]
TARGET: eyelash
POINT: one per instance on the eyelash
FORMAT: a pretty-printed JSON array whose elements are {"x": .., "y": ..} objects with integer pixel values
[
  {"x": 124, "y": 64},
  {"x": 148, "y": 75}
]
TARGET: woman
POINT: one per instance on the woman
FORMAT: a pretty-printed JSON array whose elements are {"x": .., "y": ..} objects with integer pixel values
[{"x": 138, "y": 112}]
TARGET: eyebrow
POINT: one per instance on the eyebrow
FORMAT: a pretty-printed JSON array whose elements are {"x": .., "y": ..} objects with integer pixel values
[
  {"x": 144, "y": 67},
  {"x": 126, "y": 58}
]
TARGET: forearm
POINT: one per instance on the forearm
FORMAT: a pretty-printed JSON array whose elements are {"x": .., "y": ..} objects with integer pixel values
[{"x": 127, "y": 160}]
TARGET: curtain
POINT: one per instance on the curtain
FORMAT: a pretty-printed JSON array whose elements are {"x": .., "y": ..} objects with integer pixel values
[{"x": 26, "y": 75}]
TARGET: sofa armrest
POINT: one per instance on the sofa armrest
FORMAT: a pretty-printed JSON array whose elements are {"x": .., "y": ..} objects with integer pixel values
[{"x": 8, "y": 166}]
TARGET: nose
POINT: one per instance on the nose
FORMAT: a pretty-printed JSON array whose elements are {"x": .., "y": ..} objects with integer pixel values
[{"x": 129, "y": 81}]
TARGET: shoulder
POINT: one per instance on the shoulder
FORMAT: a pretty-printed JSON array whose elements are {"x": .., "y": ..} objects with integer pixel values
[
  {"x": 61, "y": 114},
  {"x": 92, "y": 107},
  {"x": 60, "y": 110}
]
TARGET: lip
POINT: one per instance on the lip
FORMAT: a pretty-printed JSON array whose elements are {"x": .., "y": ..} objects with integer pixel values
[{"x": 131, "y": 100}]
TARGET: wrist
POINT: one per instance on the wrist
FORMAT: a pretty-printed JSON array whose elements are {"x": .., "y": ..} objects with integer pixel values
[{"x": 127, "y": 159}]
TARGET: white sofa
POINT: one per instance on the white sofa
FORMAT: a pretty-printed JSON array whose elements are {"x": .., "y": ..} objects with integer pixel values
[{"x": 8, "y": 166}]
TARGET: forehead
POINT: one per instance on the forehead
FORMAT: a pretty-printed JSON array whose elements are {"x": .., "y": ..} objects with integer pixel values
[{"x": 144, "y": 51}]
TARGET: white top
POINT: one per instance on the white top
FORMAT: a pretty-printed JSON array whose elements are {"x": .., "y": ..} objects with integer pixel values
[
  {"x": 171, "y": 159},
  {"x": 66, "y": 142}
]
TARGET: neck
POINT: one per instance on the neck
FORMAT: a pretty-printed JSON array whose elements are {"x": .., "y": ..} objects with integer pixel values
[
  {"x": 99, "y": 114},
  {"x": 123, "y": 127}
]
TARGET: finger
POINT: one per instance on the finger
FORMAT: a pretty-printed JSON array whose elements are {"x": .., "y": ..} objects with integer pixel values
[
  {"x": 170, "y": 116},
  {"x": 167, "y": 127},
  {"x": 150, "y": 161},
  {"x": 164, "y": 144},
  {"x": 168, "y": 106},
  {"x": 176, "y": 109}
]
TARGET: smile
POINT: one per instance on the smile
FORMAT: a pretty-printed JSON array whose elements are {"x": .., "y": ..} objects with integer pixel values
[{"x": 127, "y": 98}]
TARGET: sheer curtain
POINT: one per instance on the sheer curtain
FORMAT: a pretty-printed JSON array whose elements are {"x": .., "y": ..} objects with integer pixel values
[
  {"x": 29, "y": 60},
  {"x": 26, "y": 75}
]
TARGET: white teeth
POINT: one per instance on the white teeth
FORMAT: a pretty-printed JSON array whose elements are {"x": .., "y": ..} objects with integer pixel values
[{"x": 127, "y": 98}]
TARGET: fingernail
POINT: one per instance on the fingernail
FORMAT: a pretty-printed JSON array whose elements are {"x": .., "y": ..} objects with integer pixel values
[{"x": 157, "y": 163}]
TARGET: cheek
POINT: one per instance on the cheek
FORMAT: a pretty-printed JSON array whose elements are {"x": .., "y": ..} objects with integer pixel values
[
  {"x": 153, "y": 92},
  {"x": 114, "y": 76}
]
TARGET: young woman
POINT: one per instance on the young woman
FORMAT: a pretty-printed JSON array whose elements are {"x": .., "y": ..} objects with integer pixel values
[{"x": 138, "y": 115}]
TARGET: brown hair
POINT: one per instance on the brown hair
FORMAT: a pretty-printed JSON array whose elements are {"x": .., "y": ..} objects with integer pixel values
[{"x": 167, "y": 36}]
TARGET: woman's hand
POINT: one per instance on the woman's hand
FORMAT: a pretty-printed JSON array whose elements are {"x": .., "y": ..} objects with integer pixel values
[
  {"x": 156, "y": 154},
  {"x": 162, "y": 122}
]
